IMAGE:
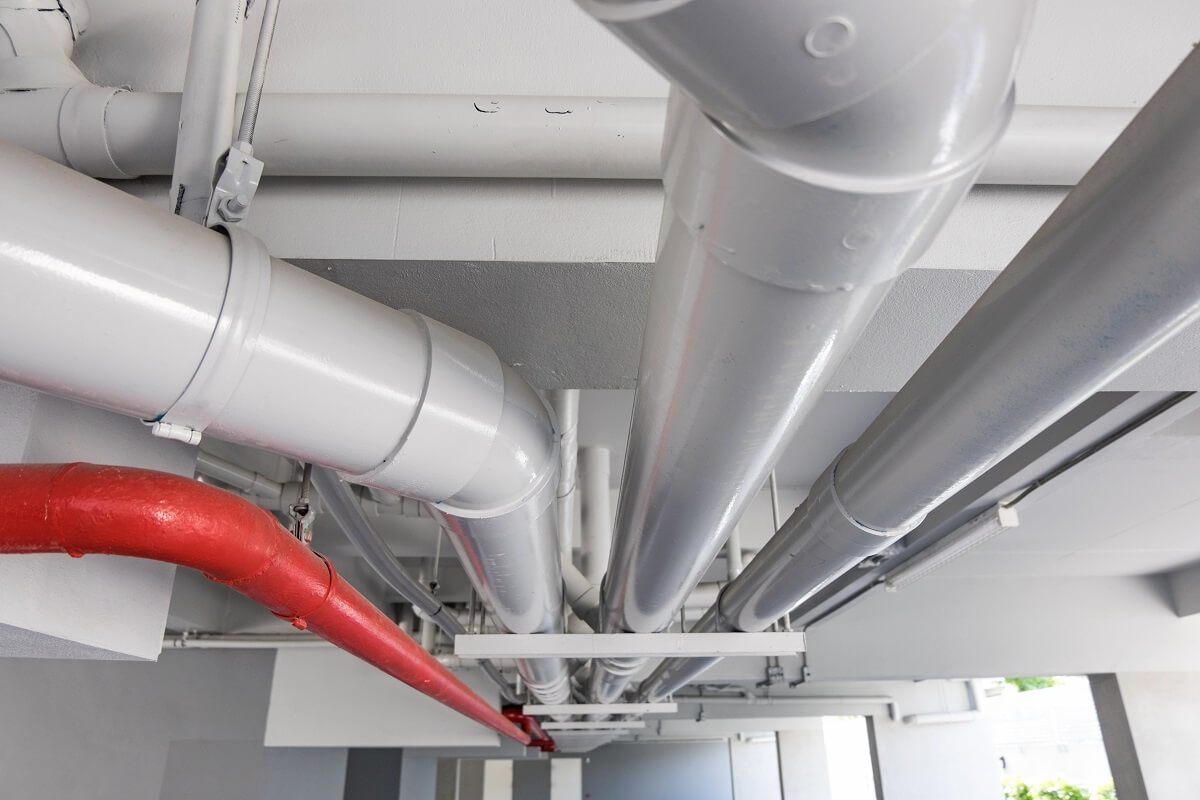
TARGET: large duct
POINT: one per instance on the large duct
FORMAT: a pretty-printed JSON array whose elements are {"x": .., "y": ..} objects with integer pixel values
[
  {"x": 1112, "y": 274},
  {"x": 812, "y": 152},
  {"x": 108, "y": 301}
]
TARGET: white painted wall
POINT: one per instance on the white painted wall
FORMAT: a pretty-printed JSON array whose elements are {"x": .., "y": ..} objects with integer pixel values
[
  {"x": 803, "y": 763},
  {"x": 329, "y": 698},
  {"x": 754, "y": 760},
  {"x": 55, "y": 606},
  {"x": 1151, "y": 724},
  {"x": 919, "y": 762},
  {"x": 1007, "y": 626},
  {"x": 566, "y": 779}
]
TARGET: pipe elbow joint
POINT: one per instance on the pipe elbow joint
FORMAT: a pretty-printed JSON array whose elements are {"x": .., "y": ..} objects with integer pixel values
[{"x": 481, "y": 443}]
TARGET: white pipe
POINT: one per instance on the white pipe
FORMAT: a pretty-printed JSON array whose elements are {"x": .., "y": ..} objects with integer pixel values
[
  {"x": 595, "y": 513},
  {"x": 444, "y": 136},
  {"x": 734, "y": 562},
  {"x": 565, "y": 403},
  {"x": 794, "y": 199},
  {"x": 204, "y": 332},
  {"x": 206, "y": 113},
  {"x": 237, "y": 476},
  {"x": 1110, "y": 276}
]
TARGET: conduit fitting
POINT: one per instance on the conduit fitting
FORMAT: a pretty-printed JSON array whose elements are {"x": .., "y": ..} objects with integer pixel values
[{"x": 81, "y": 509}]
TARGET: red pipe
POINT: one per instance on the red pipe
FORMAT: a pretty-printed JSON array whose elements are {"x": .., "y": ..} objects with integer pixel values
[{"x": 84, "y": 508}]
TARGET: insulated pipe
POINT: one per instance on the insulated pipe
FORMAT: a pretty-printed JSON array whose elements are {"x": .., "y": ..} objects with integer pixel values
[
  {"x": 343, "y": 506},
  {"x": 122, "y": 134},
  {"x": 82, "y": 508},
  {"x": 800, "y": 181},
  {"x": 204, "y": 332},
  {"x": 1112, "y": 274},
  {"x": 595, "y": 526},
  {"x": 205, "y": 121}
]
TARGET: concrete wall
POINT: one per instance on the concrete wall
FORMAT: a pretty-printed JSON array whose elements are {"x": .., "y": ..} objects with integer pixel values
[
  {"x": 754, "y": 761},
  {"x": 919, "y": 762},
  {"x": 660, "y": 770},
  {"x": 803, "y": 766},
  {"x": 1151, "y": 728},
  {"x": 189, "y": 726}
]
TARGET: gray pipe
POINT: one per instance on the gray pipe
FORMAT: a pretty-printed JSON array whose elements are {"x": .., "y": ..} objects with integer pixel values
[
  {"x": 342, "y": 505},
  {"x": 794, "y": 199},
  {"x": 1112, "y": 274}
]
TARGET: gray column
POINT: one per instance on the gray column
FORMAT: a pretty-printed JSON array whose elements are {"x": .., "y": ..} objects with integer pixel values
[
  {"x": 803, "y": 768},
  {"x": 418, "y": 778},
  {"x": 918, "y": 762},
  {"x": 1150, "y": 723}
]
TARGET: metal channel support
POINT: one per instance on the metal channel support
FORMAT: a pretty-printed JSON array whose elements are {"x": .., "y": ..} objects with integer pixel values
[{"x": 628, "y": 645}]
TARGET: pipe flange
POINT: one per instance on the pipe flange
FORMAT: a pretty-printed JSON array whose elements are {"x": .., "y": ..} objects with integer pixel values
[{"x": 233, "y": 342}]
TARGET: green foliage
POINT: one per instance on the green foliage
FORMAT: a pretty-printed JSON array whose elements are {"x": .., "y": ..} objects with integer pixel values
[
  {"x": 1029, "y": 684},
  {"x": 1055, "y": 790}
]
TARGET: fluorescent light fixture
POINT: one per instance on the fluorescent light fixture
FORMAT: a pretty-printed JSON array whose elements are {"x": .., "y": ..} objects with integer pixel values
[{"x": 966, "y": 538}]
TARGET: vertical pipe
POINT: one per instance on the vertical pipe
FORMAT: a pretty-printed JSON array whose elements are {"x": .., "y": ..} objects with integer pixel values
[
  {"x": 207, "y": 111},
  {"x": 595, "y": 512},
  {"x": 565, "y": 403}
]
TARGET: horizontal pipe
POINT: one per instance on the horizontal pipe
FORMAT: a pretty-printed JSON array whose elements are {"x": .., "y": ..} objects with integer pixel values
[
  {"x": 237, "y": 476},
  {"x": 792, "y": 203},
  {"x": 205, "y": 334},
  {"x": 448, "y": 136},
  {"x": 81, "y": 509},
  {"x": 1111, "y": 275}
]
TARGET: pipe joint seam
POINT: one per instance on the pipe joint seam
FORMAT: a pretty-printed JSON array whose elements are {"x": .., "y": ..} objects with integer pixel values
[
  {"x": 234, "y": 339},
  {"x": 83, "y": 131},
  {"x": 829, "y": 479},
  {"x": 459, "y": 414},
  {"x": 300, "y": 621}
]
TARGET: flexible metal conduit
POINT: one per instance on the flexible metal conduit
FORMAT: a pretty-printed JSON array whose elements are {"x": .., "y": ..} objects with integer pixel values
[
  {"x": 204, "y": 332},
  {"x": 800, "y": 181},
  {"x": 343, "y": 506},
  {"x": 1113, "y": 273},
  {"x": 81, "y": 509}
]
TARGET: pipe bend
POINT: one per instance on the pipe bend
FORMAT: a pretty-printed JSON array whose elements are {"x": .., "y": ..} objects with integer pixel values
[{"x": 79, "y": 509}]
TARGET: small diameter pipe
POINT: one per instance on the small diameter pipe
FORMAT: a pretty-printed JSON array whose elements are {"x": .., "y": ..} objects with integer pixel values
[
  {"x": 448, "y": 136},
  {"x": 565, "y": 403},
  {"x": 237, "y": 476},
  {"x": 258, "y": 72},
  {"x": 595, "y": 512},
  {"x": 343, "y": 506},
  {"x": 79, "y": 509},
  {"x": 206, "y": 112},
  {"x": 1110, "y": 276}
]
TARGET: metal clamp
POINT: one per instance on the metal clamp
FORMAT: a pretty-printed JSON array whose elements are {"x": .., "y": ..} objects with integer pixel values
[
  {"x": 235, "y": 188},
  {"x": 233, "y": 342}
]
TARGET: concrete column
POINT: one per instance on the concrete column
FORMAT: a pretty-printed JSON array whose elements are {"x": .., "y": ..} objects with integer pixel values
[
  {"x": 418, "y": 778},
  {"x": 566, "y": 779},
  {"x": 803, "y": 767},
  {"x": 755, "y": 766},
  {"x": 373, "y": 773},
  {"x": 918, "y": 762},
  {"x": 1150, "y": 726}
]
